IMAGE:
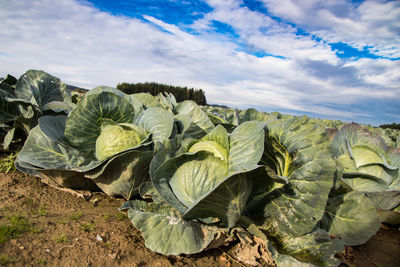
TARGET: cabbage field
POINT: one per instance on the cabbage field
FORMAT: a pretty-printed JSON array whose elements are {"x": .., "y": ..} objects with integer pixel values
[{"x": 293, "y": 190}]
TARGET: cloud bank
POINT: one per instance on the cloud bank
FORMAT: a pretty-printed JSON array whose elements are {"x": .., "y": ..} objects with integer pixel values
[{"x": 272, "y": 55}]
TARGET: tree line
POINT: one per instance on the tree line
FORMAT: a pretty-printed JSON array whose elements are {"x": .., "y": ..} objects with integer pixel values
[
  {"x": 391, "y": 126},
  {"x": 180, "y": 93}
]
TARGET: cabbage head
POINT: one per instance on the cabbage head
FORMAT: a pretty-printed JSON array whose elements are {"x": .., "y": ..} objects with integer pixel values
[{"x": 116, "y": 138}]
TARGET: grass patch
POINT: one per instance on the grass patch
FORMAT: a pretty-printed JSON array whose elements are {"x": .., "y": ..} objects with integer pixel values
[
  {"x": 62, "y": 239},
  {"x": 76, "y": 216},
  {"x": 107, "y": 245},
  {"x": 4, "y": 208},
  {"x": 7, "y": 163},
  {"x": 6, "y": 260},
  {"x": 120, "y": 216},
  {"x": 87, "y": 227},
  {"x": 18, "y": 225},
  {"x": 106, "y": 216},
  {"x": 62, "y": 221},
  {"x": 29, "y": 202},
  {"x": 41, "y": 261},
  {"x": 42, "y": 211}
]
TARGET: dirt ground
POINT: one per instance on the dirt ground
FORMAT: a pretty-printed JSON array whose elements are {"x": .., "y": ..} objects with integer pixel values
[{"x": 62, "y": 229}]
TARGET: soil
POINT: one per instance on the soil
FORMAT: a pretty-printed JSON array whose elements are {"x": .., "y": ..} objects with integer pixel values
[{"x": 68, "y": 230}]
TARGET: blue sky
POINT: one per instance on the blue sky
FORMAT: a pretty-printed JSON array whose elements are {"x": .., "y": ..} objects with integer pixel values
[{"x": 329, "y": 59}]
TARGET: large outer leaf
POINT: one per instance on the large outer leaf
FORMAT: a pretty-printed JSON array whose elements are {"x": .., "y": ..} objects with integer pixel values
[
  {"x": 53, "y": 127},
  {"x": 103, "y": 89},
  {"x": 223, "y": 116},
  {"x": 316, "y": 248},
  {"x": 41, "y": 151},
  {"x": 84, "y": 122},
  {"x": 182, "y": 124},
  {"x": 246, "y": 146},
  {"x": 167, "y": 150},
  {"x": 386, "y": 200},
  {"x": 253, "y": 114},
  {"x": 158, "y": 122},
  {"x": 57, "y": 107},
  {"x": 123, "y": 175},
  {"x": 41, "y": 88},
  {"x": 370, "y": 178},
  {"x": 167, "y": 101},
  {"x": 8, "y": 83},
  {"x": 226, "y": 202},
  {"x": 394, "y": 158},
  {"x": 165, "y": 232},
  {"x": 186, "y": 178},
  {"x": 8, "y": 110},
  {"x": 353, "y": 134},
  {"x": 295, "y": 209},
  {"x": 146, "y": 99},
  {"x": 351, "y": 217},
  {"x": 363, "y": 155},
  {"x": 284, "y": 260},
  {"x": 201, "y": 124}
]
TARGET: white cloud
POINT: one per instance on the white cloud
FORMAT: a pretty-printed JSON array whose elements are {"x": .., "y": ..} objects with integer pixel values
[
  {"x": 262, "y": 33},
  {"x": 86, "y": 47},
  {"x": 373, "y": 24},
  {"x": 381, "y": 72}
]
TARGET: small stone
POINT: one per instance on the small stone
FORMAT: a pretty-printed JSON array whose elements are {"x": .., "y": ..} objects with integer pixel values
[
  {"x": 47, "y": 250},
  {"x": 113, "y": 255},
  {"x": 21, "y": 247},
  {"x": 99, "y": 238}
]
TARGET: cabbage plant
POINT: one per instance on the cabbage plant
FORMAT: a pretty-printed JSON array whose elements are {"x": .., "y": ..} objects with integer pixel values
[
  {"x": 35, "y": 94},
  {"x": 369, "y": 177},
  {"x": 369, "y": 165},
  {"x": 207, "y": 180},
  {"x": 233, "y": 117},
  {"x": 190, "y": 119},
  {"x": 300, "y": 172},
  {"x": 109, "y": 137}
]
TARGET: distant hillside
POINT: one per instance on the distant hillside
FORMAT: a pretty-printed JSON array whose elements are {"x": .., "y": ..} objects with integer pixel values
[{"x": 80, "y": 90}]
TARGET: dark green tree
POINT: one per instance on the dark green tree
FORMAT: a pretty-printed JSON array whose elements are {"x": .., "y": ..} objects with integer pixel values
[
  {"x": 391, "y": 126},
  {"x": 180, "y": 93}
]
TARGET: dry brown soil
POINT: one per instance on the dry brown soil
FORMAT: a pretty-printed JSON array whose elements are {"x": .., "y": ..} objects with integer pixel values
[{"x": 70, "y": 231}]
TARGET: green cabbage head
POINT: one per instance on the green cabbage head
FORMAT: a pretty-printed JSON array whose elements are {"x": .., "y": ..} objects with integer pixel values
[{"x": 116, "y": 138}]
